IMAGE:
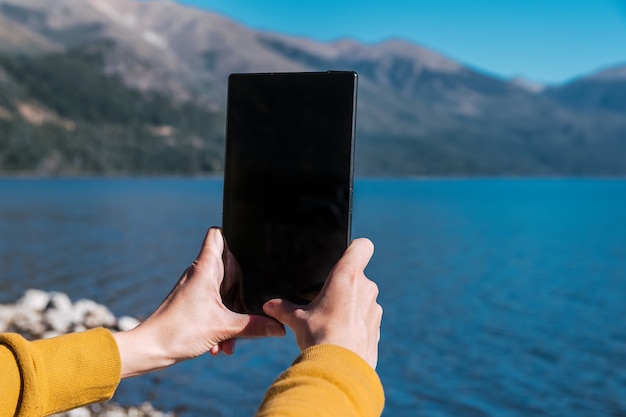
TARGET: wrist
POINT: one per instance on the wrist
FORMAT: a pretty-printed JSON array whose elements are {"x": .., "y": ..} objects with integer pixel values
[{"x": 140, "y": 352}]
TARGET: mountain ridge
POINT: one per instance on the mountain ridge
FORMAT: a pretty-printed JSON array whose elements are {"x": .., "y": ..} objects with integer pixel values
[{"x": 419, "y": 112}]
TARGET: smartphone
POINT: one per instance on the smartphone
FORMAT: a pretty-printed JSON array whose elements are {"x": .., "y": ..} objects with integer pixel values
[{"x": 288, "y": 180}]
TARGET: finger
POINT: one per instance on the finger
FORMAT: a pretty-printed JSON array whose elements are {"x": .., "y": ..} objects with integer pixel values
[
  {"x": 358, "y": 253},
  {"x": 228, "y": 346},
  {"x": 354, "y": 260},
  {"x": 282, "y": 310},
  {"x": 226, "y": 249},
  {"x": 250, "y": 325},
  {"x": 213, "y": 245},
  {"x": 231, "y": 285},
  {"x": 209, "y": 261}
]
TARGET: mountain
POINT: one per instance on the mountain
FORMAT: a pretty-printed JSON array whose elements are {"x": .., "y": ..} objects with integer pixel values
[
  {"x": 140, "y": 87},
  {"x": 601, "y": 91}
]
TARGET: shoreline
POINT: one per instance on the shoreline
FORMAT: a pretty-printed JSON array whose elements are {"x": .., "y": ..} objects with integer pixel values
[{"x": 40, "y": 315}]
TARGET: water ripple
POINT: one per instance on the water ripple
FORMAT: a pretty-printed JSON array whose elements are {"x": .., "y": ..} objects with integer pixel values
[{"x": 502, "y": 297}]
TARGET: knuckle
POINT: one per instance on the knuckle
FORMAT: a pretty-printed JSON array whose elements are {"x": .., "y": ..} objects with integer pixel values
[
  {"x": 373, "y": 288},
  {"x": 379, "y": 311},
  {"x": 301, "y": 314},
  {"x": 348, "y": 271},
  {"x": 194, "y": 267}
]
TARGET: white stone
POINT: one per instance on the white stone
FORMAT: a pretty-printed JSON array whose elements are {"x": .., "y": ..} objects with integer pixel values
[
  {"x": 115, "y": 413},
  {"x": 100, "y": 316},
  {"x": 126, "y": 323},
  {"x": 82, "y": 307},
  {"x": 79, "y": 412},
  {"x": 30, "y": 321},
  {"x": 61, "y": 301},
  {"x": 34, "y": 300},
  {"x": 50, "y": 334},
  {"x": 59, "y": 320},
  {"x": 6, "y": 316}
]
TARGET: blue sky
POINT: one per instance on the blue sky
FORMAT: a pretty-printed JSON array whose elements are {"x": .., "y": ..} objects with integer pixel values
[{"x": 548, "y": 41}]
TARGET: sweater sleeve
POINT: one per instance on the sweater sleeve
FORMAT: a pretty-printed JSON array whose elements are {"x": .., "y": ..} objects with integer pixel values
[
  {"x": 325, "y": 381},
  {"x": 53, "y": 375}
]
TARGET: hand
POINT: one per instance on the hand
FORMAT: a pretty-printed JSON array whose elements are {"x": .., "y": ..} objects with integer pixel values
[
  {"x": 192, "y": 320},
  {"x": 345, "y": 313}
]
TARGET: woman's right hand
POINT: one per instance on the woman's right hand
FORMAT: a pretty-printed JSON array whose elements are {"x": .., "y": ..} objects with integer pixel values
[{"x": 345, "y": 313}]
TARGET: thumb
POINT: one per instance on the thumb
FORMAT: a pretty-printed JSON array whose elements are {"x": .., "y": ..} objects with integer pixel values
[
  {"x": 212, "y": 246},
  {"x": 249, "y": 325},
  {"x": 282, "y": 310}
]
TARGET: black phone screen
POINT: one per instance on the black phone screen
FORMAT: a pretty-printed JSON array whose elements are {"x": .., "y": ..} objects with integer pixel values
[{"x": 288, "y": 180}]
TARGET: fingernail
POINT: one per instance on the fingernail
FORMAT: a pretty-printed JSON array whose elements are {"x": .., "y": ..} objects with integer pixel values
[
  {"x": 274, "y": 330},
  {"x": 269, "y": 306}
]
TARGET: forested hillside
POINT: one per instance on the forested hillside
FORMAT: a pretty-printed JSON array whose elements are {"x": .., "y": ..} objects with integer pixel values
[
  {"x": 60, "y": 115},
  {"x": 127, "y": 87}
]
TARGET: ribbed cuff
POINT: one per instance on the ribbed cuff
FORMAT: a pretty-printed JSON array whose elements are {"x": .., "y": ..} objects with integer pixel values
[
  {"x": 357, "y": 377},
  {"x": 65, "y": 372},
  {"x": 325, "y": 381}
]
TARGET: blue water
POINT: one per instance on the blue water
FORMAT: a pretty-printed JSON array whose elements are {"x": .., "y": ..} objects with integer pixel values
[{"x": 501, "y": 297}]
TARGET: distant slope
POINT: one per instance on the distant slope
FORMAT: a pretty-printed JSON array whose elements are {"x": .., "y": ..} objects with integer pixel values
[
  {"x": 156, "y": 71},
  {"x": 52, "y": 125},
  {"x": 603, "y": 91},
  {"x": 16, "y": 39}
]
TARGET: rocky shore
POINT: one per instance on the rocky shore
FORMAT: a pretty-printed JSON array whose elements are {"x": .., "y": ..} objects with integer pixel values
[{"x": 39, "y": 314}]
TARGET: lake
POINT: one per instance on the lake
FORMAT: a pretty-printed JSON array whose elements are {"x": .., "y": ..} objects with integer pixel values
[{"x": 502, "y": 297}]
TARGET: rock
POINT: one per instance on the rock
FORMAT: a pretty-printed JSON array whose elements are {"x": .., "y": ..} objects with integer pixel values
[
  {"x": 61, "y": 302},
  {"x": 29, "y": 321},
  {"x": 6, "y": 317},
  {"x": 50, "y": 334},
  {"x": 59, "y": 320},
  {"x": 100, "y": 316},
  {"x": 43, "y": 315},
  {"x": 116, "y": 413},
  {"x": 34, "y": 300},
  {"x": 82, "y": 307},
  {"x": 59, "y": 314},
  {"x": 91, "y": 314},
  {"x": 126, "y": 323},
  {"x": 79, "y": 412}
]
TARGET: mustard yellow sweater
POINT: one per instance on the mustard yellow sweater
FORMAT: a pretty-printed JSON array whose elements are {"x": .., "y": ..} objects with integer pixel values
[{"x": 50, "y": 376}]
